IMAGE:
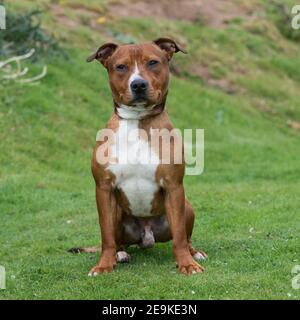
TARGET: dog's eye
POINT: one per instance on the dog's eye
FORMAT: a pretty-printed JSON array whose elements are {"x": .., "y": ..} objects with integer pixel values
[
  {"x": 152, "y": 63},
  {"x": 121, "y": 67}
]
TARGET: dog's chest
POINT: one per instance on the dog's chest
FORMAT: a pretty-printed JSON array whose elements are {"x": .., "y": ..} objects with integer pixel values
[{"x": 135, "y": 168}]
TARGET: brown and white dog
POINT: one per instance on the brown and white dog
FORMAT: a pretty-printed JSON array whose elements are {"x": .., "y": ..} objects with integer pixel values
[{"x": 140, "y": 203}]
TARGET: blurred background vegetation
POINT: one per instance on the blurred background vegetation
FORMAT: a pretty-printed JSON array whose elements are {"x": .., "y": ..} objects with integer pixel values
[{"x": 240, "y": 82}]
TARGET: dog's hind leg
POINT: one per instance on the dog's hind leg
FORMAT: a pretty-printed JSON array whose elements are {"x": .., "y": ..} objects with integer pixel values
[
  {"x": 190, "y": 217},
  {"x": 96, "y": 249},
  {"x": 197, "y": 254},
  {"x": 121, "y": 255}
]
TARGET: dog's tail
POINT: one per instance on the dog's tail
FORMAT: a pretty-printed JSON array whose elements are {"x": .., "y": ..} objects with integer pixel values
[{"x": 85, "y": 249}]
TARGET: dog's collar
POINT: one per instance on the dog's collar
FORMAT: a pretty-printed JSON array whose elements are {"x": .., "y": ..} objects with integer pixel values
[{"x": 138, "y": 113}]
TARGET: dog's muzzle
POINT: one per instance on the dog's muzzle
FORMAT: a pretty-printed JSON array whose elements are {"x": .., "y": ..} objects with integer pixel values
[{"x": 139, "y": 88}]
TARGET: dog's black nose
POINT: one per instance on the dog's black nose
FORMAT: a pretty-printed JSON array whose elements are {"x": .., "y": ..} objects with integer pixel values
[{"x": 139, "y": 86}]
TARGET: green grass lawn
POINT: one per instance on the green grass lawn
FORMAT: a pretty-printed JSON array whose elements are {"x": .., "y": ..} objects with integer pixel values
[{"x": 246, "y": 201}]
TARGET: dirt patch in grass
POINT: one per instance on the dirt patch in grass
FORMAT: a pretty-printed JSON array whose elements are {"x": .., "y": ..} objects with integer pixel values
[
  {"x": 59, "y": 14},
  {"x": 293, "y": 124},
  {"x": 81, "y": 15},
  {"x": 223, "y": 84},
  {"x": 215, "y": 13}
]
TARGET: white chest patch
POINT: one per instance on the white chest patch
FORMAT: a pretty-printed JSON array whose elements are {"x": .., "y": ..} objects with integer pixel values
[{"x": 135, "y": 168}]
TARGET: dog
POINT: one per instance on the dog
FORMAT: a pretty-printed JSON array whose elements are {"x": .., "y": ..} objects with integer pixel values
[{"x": 138, "y": 203}]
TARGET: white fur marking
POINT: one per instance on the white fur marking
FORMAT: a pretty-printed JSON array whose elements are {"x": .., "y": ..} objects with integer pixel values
[
  {"x": 134, "y": 76},
  {"x": 135, "y": 112},
  {"x": 161, "y": 182},
  {"x": 199, "y": 256},
  {"x": 122, "y": 256},
  {"x": 136, "y": 167}
]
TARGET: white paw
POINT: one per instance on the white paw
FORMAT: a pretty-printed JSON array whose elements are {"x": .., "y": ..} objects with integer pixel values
[
  {"x": 122, "y": 256},
  {"x": 93, "y": 274},
  {"x": 200, "y": 255}
]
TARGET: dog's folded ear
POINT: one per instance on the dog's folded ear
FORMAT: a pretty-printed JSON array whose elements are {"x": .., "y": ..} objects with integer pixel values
[
  {"x": 169, "y": 46},
  {"x": 103, "y": 53}
]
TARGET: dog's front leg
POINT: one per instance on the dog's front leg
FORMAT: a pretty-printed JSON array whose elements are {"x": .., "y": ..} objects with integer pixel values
[
  {"x": 107, "y": 210},
  {"x": 175, "y": 208}
]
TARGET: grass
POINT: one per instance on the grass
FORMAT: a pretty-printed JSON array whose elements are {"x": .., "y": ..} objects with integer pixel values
[{"x": 246, "y": 201}]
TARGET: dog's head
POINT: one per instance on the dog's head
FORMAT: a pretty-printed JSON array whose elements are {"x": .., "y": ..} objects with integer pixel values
[{"x": 138, "y": 74}]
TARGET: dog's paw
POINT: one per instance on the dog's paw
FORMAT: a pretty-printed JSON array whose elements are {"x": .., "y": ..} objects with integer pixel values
[
  {"x": 200, "y": 256},
  {"x": 122, "y": 257},
  {"x": 189, "y": 266},
  {"x": 99, "y": 269},
  {"x": 191, "y": 269}
]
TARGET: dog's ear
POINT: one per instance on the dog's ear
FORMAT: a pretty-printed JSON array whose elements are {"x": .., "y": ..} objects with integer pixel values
[
  {"x": 103, "y": 53},
  {"x": 169, "y": 46}
]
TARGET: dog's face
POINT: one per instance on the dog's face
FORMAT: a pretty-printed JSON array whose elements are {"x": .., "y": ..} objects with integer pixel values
[{"x": 138, "y": 74}]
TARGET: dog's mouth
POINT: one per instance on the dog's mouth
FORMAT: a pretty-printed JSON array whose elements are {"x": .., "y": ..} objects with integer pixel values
[
  {"x": 140, "y": 99},
  {"x": 146, "y": 99}
]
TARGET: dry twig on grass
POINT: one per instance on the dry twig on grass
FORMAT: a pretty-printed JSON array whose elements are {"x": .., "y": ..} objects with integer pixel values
[{"x": 17, "y": 74}]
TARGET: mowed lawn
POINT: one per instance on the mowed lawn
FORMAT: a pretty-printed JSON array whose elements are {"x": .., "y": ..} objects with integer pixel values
[{"x": 246, "y": 201}]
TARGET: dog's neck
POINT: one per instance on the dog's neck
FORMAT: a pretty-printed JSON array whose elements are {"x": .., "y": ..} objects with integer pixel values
[{"x": 139, "y": 112}]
